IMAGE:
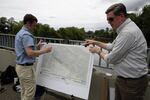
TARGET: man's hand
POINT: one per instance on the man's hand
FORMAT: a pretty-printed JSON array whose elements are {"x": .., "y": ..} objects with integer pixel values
[
  {"x": 47, "y": 49},
  {"x": 88, "y": 42},
  {"x": 41, "y": 43},
  {"x": 95, "y": 50}
]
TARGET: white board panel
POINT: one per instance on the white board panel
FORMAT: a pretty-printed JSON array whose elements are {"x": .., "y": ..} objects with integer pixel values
[{"x": 67, "y": 69}]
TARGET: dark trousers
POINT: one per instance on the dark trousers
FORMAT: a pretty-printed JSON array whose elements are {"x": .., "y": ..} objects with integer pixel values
[
  {"x": 130, "y": 89},
  {"x": 40, "y": 90}
]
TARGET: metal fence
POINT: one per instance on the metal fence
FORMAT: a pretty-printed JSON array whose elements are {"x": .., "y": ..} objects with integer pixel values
[{"x": 8, "y": 40}]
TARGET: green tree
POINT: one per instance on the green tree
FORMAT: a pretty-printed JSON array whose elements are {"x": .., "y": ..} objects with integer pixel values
[
  {"x": 145, "y": 19},
  {"x": 72, "y": 33},
  {"x": 4, "y": 26},
  {"x": 15, "y": 27},
  {"x": 143, "y": 22}
]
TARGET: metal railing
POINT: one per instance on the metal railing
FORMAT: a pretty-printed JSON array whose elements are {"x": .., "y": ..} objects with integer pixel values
[{"x": 7, "y": 41}]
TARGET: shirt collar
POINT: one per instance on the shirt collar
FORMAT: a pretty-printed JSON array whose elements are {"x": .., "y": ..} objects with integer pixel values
[
  {"x": 26, "y": 29},
  {"x": 128, "y": 20}
]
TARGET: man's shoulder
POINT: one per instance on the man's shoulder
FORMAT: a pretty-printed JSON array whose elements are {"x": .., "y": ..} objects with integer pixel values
[{"x": 25, "y": 33}]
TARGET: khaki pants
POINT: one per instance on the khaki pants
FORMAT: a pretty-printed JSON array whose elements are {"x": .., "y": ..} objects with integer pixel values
[
  {"x": 26, "y": 76},
  {"x": 130, "y": 89}
]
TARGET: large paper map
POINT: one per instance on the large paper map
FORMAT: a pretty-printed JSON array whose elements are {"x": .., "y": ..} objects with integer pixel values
[{"x": 67, "y": 69}]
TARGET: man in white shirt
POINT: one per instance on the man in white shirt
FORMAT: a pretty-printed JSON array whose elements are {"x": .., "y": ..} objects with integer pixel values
[{"x": 128, "y": 53}]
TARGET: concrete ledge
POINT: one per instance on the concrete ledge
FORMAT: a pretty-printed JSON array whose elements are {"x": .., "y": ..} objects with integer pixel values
[{"x": 7, "y": 58}]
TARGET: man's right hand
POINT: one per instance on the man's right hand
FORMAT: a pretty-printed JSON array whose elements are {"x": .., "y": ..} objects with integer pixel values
[
  {"x": 88, "y": 42},
  {"x": 47, "y": 49},
  {"x": 41, "y": 44}
]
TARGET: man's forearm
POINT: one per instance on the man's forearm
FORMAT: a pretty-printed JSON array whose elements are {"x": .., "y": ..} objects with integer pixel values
[{"x": 101, "y": 44}]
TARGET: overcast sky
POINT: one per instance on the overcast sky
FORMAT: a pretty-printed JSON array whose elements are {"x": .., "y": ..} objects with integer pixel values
[{"x": 89, "y": 14}]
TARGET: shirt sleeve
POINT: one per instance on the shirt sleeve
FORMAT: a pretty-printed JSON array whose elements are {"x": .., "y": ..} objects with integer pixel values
[
  {"x": 28, "y": 41},
  {"x": 120, "y": 49},
  {"x": 109, "y": 46}
]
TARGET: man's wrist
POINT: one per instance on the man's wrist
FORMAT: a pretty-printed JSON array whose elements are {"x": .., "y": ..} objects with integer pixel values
[{"x": 99, "y": 52}]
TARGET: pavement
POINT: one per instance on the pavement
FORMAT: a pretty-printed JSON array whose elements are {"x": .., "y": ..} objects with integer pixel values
[{"x": 7, "y": 93}]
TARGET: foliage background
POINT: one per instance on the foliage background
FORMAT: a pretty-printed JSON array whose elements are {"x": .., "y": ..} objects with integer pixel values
[{"x": 10, "y": 26}]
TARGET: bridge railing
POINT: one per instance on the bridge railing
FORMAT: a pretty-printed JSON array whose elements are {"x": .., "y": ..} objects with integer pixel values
[{"x": 8, "y": 40}]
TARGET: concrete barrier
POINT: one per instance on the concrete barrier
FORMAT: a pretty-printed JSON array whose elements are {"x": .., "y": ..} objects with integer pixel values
[{"x": 7, "y": 58}]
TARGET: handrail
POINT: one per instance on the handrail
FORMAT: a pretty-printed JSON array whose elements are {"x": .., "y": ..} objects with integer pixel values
[{"x": 7, "y": 41}]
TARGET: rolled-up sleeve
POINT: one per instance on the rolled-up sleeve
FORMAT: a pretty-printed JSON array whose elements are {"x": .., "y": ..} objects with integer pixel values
[
  {"x": 120, "y": 49},
  {"x": 27, "y": 41}
]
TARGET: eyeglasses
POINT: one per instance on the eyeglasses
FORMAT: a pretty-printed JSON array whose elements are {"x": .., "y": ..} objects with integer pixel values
[{"x": 111, "y": 19}]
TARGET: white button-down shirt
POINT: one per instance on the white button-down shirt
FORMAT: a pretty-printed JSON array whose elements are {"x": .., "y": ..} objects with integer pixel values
[{"x": 128, "y": 51}]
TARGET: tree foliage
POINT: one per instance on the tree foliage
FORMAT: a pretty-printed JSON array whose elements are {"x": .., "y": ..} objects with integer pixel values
[
  {"x": 4, "y": 26},
  {"x": 10, "y": 26},
  {"x": 143, "y": 21},
  {"x": 72, "y": 33}
]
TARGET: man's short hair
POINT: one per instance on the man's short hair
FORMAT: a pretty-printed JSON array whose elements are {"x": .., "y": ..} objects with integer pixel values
[
  {"x": 117, "y": 9},
  {"x": 29, "y": 18}
]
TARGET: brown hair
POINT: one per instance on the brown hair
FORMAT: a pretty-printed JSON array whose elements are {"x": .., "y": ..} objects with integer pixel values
[
  {"x": 117, "y": 9},
  {"x": 29, "y": 18}
]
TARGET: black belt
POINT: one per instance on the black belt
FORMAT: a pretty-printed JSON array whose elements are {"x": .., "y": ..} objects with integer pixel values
[
  {"x": 26, "y": 64},
  {"x": 132, "y": 78}
]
